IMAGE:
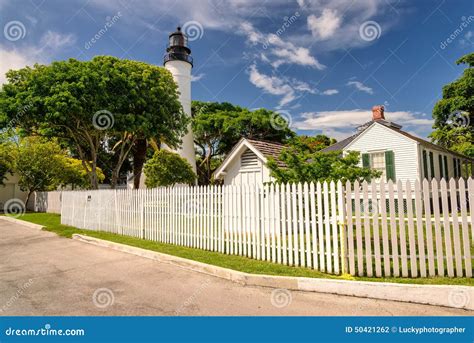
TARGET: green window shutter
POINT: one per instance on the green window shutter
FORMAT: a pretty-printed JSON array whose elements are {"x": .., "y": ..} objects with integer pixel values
[
  {"x": 440, "y": 163},
  {"x": 432, "y": 169},
  {"x": 459, "y": 168},
  {"x": 455, "y": 168},
  {"x": 365, "y": 160},
  {"x": 425, "y": 165},
  {"x": 390, "y": 165},
  {"x": 446, "y": 170}
]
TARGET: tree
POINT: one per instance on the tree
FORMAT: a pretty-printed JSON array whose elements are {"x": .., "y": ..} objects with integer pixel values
[
  {"x": 73, "y": 174},
  {"x": 105, "y": 104},
  {"x": 310, "y": 144},
  {"x": 302, "y": 166},
  {"x": 5, "y": 161},
  {"x": 38, "y": 165},
  {"x": 454, "y": 113},
  {"x": 166, "y": 168},
  {"x": 217, "y": 127}
]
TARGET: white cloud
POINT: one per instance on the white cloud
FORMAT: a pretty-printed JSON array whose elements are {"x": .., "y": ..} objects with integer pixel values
[
  {"x": 326, "y": 25},
  {"x": 341, "y": 124},
  {"x": 55, "y": 40},
  {"x": 197, "y": 77},
  {"x": 272, "y": 85},
  {"x": 23, "y": 56},
  {"x": 330, "y": 92},
  {"x": 360, "y": 86},
  {"x": 14, "y": 59},
  {"x": 283, "y": 52},
  {"x": 288, "y": 89}
]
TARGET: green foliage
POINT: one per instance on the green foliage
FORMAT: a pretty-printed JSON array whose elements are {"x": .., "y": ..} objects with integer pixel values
[
  {"x": 302, "y": 166},
  {"x": 217, "y": 127},
  {"x": 73, "y": 174},
  {"x": 37, "y": 164},
  {"x": 454, "y": 113},
  {"x": 7, "y": 157},
  {"x": 310, "y": 144},
  {"x": 105, "y": 104},
  {"x": 166, "y": 168}
]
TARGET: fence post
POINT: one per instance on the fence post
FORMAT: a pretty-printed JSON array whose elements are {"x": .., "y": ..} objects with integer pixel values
[
  {"x": 342, "y": 225},
  {"x": 142, "y": 212}
]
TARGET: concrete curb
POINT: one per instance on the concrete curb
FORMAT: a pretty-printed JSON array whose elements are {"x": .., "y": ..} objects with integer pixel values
[
  {"x": 438, "y": 295},
  {"x": 22, "y": 222}
]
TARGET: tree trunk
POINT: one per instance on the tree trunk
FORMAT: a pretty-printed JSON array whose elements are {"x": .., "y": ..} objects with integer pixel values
[
  {"x": 139, "y": 156},
  {"x": 28, "y": 199}
]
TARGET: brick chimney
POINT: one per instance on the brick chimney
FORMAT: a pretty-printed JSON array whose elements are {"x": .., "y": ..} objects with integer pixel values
[{"x": 378, "y": 112}]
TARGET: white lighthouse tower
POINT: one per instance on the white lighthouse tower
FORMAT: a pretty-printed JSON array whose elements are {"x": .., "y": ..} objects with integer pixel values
[{"x": 179, "y": 62}]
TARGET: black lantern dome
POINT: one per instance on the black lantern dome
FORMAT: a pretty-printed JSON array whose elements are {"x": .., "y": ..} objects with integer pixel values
[{"x": 177, "y": 49}]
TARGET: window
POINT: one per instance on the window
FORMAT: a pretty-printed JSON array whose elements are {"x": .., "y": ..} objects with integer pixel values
[
  {"x": 425, "y": 165},
  {"x": 377, "y": 162},
  {"x": 381, "y": 161},
  {"x": 446, "y": 170},
  {"x": 440, "y": 163},
  {"x": 432, "y": 169}
]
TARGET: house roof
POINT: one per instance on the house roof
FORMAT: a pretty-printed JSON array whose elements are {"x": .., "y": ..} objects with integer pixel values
[
  {"x": 263, "y": 149},
  {"x": 269, "y": 149},
  {"x": 345, "y": 142}
]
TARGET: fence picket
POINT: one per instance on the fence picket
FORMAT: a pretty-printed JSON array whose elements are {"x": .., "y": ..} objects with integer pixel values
[
  {"x": 429, "y": 230},
  {"x": 375, "y": 221},
  {"x": 419, "y": 228},
  {"x": 350, "y": 229},
  {"x": 360, "y": 258},
  {"x": 465, "y": 228},
  {"x": 447, "y": 228},
  {"x": 456, "y": 236},
  {"x": 411, "y": 231},
  {"x": 367, "y": 229}
]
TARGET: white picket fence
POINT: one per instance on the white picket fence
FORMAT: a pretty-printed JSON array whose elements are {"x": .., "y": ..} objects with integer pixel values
[
  {"x": 49, "y": 202},
  {"x": 371, "y": 229}
]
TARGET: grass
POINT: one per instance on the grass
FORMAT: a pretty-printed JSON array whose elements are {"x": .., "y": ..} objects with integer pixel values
[{"x": 52, "y": 223}]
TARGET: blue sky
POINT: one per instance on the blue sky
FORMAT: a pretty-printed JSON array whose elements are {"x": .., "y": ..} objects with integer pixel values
[{"x": 322, "y": 64}]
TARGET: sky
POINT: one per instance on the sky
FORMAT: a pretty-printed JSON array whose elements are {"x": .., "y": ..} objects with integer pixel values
[{"x": 321, "y": 64}]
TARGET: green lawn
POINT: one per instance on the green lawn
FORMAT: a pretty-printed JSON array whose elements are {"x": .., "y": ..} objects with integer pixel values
[{"x": 52, "y": 223}]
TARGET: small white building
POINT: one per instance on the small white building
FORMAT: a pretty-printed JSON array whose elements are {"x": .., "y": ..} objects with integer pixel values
[
  {"x": 246, "y": 163},
  {"x": 400, "y": 155},
  {"x": 10, "y": 190}
]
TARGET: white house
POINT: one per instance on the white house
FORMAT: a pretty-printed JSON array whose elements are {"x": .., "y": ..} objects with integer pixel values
[
  {"x": 400, "y": 155},
  {"x": 246, "y": 163},
  {"x": 383, "y": 145},
  {"x": 10, "y": 190}
]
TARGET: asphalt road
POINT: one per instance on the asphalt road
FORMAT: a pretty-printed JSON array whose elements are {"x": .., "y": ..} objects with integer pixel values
[{"x": 43, "y": 274}]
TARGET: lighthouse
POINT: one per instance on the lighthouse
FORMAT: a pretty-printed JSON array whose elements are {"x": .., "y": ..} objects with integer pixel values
[{"x": 179, "y": 62}]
